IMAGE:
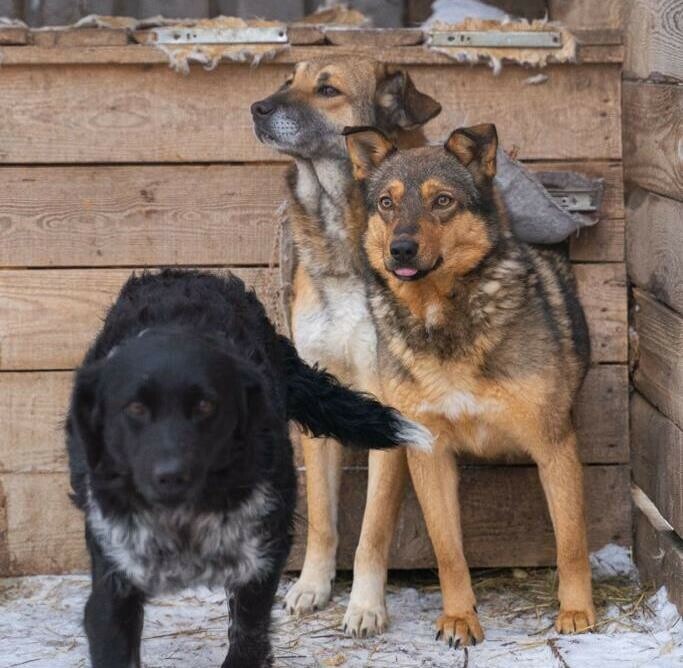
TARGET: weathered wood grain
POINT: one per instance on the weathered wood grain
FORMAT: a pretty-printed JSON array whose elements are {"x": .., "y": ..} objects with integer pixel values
[
  {"x": 657, "y": 459},
  {"x": 139, "y": 215},
  {"x": 654, "y": 244},
  {"x": 79, "y": 38},
  {"x": 33, "y": 406},
  {"x": 145, "y": 215},
  {"x": 48, "y": 318},
  {"x": 128, "y": 113},
  {"x": 654, "y": 40},
  {"x": 504, "y": 517},
  {"x": 659, "y": 363},
  {"x": 653, "y": 137},
  {"x": 659, "y": 557},
  {"x": 13, "y": 35},
  {"x": 588, "y": 14},
  {"x": 602, "y": 291}
]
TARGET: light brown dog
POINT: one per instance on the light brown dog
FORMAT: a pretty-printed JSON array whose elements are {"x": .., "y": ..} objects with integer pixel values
[
  {"x": 331, "y": 320},
  {"x": 482, "y": 339}
]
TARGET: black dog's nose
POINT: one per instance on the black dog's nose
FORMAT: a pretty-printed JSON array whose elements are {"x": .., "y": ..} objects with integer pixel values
[
  {"x": 404, "y": 250},
  {"x": 171, "y": 477},
  {"x": 262, "y": 108}
]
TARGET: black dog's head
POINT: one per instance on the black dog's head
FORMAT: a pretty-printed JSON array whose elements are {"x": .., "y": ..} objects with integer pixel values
[{"x": 167, "y": 410}]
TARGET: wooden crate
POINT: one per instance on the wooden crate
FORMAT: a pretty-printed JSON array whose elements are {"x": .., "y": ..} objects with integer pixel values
[{"x": 110, "y": 161}]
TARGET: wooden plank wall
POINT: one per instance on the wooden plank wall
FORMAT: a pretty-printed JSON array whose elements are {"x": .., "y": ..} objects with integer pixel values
[
  {"x": 108, "y": 167},
  {"x": 653, "y": 170}
]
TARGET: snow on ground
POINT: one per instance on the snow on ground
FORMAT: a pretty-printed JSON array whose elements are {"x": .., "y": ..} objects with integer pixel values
[{"x": 40, "y": 626}]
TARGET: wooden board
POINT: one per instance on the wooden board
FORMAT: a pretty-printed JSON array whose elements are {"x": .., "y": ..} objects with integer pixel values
[
  {"x": 13, "y": 35},
  {"x": 654, "y": 40},
  {"x": 657, "y": 459},
  {"x": 653, "y": 136},
  {"x": 81, "y": 37},
  {"x": 33, "y": 405},
  {"x": 505, "y": 520},
  {"x": 659, "y": 557},
  {"x": 659, "y": 362},
  {"x": 48, "y": 318},
  {"x": 139, "y": 215},
  {"x": 145, "y": 215},
  {"x": 602, "y": 290},
  {"x": 127, "y": 113},
  {"x": 655, "y": 246},
  {"x": 588, "y": 14}
]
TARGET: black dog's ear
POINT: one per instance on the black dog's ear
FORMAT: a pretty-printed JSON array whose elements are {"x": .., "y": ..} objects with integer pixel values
[
  {"x": 367, "y": 149},
  {"x": 85, "y": 415},
  {"x": 475, "y": 147},
  {"x": 252, "y": 404},
  {"x": 399, "y": 104}
]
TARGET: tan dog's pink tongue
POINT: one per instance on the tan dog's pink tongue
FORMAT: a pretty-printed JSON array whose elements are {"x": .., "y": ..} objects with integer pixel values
[{"x": 405, "y": 271}]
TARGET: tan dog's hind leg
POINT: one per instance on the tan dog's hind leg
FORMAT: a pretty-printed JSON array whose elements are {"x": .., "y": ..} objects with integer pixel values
[
  {"x": 366, "y": 614},
  {"x": 313, "y": 589},
  {"x": 562, "y": 479},
  {"x": 435, "y": 477}
]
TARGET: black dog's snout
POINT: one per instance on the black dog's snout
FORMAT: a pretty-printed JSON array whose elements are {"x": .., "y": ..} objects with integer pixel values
[
  {"x": 171, "y": 477},
  {"x": 404, "y": 250},
  {"x": 262, "y": 108}
]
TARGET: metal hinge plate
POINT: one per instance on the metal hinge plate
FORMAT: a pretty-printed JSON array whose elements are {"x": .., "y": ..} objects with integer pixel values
[
  {"x": 529, "y": 39},
  {"x": 249, "y": 35},
  {"x": 576, "y": 201}
]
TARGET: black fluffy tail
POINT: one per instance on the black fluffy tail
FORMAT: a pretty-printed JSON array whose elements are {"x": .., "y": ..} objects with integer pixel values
[{"x": 322, "y": 406}]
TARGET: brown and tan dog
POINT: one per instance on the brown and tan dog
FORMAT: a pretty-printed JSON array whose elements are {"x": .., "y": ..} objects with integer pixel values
[
  {"x": 331, "y": 320},
  {"x": 482, "y": 339}
]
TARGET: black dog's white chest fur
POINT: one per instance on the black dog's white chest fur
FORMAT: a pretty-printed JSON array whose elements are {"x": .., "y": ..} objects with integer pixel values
[{"x": 167, "y": 550}]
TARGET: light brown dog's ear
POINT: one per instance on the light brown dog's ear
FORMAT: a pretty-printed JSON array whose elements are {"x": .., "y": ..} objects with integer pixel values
[
  {"x": 367, "y": 148},
  {"x": 399, "y": 104},
  {"x": 475, "y": 147}
]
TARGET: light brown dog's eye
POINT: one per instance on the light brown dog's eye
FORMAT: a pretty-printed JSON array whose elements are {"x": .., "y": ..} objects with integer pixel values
[
  {"x": 205, "y": 408},
  {"x": 443, "y": 200},
  {"x": 385, "y": 202},
  {"x": 136, "y": 409}
]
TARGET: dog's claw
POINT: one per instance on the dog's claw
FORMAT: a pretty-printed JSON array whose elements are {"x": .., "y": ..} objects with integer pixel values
[
  {"x": 456, "y": 644},
  {"x": 438, "y": 634}
]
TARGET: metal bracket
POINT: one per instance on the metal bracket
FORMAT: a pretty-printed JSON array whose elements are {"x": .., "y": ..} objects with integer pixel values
[
  {"x": 530, "y": 39},
  {"x": 576, "y": 201},
  {"x": 248, "y": 35}
]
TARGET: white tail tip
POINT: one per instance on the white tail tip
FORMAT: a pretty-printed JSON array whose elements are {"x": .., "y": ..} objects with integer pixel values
[{"x": 414, "y": 435}]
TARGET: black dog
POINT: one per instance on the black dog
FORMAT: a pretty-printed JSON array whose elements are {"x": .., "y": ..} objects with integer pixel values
[{"x": 181, "y": 460}]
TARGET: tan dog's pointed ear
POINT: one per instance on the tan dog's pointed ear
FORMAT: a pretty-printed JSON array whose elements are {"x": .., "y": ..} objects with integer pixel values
[
  {"x": 367, "y": 148},
  {"x": 399, "y": 104},
  {"x": 475, "y": 147}
]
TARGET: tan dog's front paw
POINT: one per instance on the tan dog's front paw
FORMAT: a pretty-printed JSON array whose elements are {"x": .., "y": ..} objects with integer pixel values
[
  {"x": 575, "y": 621},
  {"x": 365, "y": 621},
  {"x": 305, "y": 597},
  {"x": 459, "y": 630}
]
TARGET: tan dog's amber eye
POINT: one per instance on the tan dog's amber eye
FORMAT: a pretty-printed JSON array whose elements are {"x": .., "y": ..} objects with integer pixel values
[
  {"x": 328, "y": 91},
  {"x": 136, "y": 409},
  {"x": 385, "y": 203},
  {"x": 443, "y": 201},
  {"x": 205, "y": 408}
]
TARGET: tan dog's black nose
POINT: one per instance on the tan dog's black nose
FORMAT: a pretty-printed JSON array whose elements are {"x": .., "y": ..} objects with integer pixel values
[
  {"x": 403, "y": 250},
  {"x": 262, "y": 108}
]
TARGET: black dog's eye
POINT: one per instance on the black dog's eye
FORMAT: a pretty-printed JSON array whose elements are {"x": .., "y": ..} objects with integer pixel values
[
  {"x": 328, "y": 91},
  {"x": 443, "y": 201},
  {"x": 385, "y": 203},
  {"x": 205, "y": 408},
  {"x": 136, "y": 409}
]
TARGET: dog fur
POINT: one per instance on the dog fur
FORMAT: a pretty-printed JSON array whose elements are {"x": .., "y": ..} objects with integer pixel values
[
  {"x": 483, "y": 339},
  {"x": 180, "y": 457},
  {"x": 331, "y": 321}
]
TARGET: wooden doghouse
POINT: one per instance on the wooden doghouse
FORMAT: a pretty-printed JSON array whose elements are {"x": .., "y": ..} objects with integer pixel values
[{"x": 110, "y": 161}]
